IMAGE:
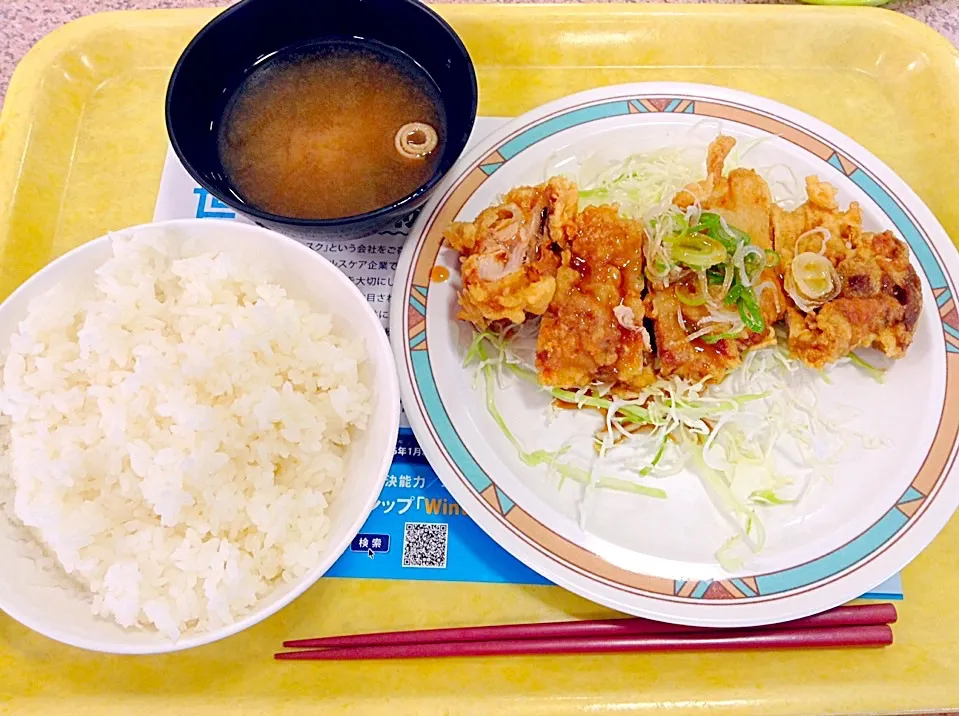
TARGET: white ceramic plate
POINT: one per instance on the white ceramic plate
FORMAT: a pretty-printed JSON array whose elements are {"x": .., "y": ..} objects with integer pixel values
[{"x": 657, "y": 558}]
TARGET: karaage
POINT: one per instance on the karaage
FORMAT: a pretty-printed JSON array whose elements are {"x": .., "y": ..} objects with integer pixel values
[
  {"x": 704, "y": 339},
  {"x": 848, "y": 288},
  {"x": 593, "y": 329},
  {"x": 510, "y": 253}
]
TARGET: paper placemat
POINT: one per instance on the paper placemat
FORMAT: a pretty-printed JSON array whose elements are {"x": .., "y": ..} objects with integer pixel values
[{"x": 416, "y": 531}]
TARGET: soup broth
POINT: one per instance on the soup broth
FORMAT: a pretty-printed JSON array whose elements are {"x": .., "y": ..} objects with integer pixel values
[{"x": 327, "y": 131}]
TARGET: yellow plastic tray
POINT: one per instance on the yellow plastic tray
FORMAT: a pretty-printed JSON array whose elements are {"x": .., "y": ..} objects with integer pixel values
[{"x": 82, "y": 144}]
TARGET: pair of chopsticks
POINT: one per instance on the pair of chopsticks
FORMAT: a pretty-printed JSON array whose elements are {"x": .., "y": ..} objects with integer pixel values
[{"x": 851, "y": 626}]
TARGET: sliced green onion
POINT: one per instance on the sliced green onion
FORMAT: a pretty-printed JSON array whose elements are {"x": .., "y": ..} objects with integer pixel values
[
  {"x": 734, "y": 293},
  {"x": 716, "y": 228},
  {"x": 814, "y": 275},
  {"x": 689, "y": 298},
  {"x": 697, "y": 250},
  {"x": 680, "y": 224},
  {"x": 715, "y": 275},
  {"x": 750, "y": 312},
  {"x": 754, "y": 263},
  {"x": 772, "y": 258}
]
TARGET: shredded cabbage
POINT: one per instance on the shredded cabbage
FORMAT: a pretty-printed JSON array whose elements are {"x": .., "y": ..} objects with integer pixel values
[
  {"x": 876, "y": 373},
  {"x": 489, "y": 353},
  {"x": 756, "y": 441},
  {"x": 643, "y": 184}
]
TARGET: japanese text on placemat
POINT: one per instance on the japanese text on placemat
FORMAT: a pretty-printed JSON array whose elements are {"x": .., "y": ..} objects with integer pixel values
[{"x": 370, "y": 262}]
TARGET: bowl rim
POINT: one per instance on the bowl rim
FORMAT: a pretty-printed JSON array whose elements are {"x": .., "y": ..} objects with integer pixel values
[
  {"x": 381, "y": 354},
  {"x": 372, "y": 215}
]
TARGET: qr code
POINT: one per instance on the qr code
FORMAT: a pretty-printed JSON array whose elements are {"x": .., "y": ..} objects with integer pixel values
[{"x": 424, "y": 544}]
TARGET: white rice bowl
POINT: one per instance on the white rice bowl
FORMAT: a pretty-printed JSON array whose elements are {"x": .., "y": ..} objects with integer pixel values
[{"x": 195, "y": 419}]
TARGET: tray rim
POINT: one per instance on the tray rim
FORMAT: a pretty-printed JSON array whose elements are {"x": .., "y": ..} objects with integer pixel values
[{"x": 24, "y": 91}]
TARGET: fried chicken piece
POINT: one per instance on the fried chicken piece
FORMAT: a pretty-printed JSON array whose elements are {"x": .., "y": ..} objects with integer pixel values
[
  {"x": 743, "y": 200},
  {"x": 698, "y": 360},
  {"x": 841, "y": 229},
  {"x": 695, "y": 360},
  {"x": 510, "y": 253},
  {"x": 701, "y": 191},
  {"x": 880, "y": 296},
  {"x": 593, "y": 329}
]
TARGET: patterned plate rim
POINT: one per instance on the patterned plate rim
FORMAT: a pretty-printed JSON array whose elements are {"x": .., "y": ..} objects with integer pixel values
[{"x": 580, "y": 570}]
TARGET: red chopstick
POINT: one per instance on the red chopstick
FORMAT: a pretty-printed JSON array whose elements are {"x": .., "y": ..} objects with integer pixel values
[
  {"x": 848, "y": 616},
  {"x": 830, "y": 637}
]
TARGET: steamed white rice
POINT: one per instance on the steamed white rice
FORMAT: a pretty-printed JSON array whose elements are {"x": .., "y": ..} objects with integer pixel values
[{"x": 175, "y": 434}]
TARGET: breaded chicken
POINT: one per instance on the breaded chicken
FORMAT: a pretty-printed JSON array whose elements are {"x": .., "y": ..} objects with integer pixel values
[
  {"x": 840, "y": 229},
  {"x": 742, "y": 198},
  {"x": 699, "y": 192},
  {"x": 593, "y": 329},
  {"x": 510, "y": 253},
  {"x": 584, "y": 272},
  {"x": 879, "y": 298},
  {"x": 744, "y": 202},
  {"x": 693, "y": 360}
]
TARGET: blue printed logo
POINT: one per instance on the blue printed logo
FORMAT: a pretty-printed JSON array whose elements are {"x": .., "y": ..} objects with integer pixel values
[{"x": 209, "y": 207}]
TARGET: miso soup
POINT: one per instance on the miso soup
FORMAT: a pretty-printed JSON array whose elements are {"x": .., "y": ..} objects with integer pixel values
[{"x": 332, "y": 130}]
